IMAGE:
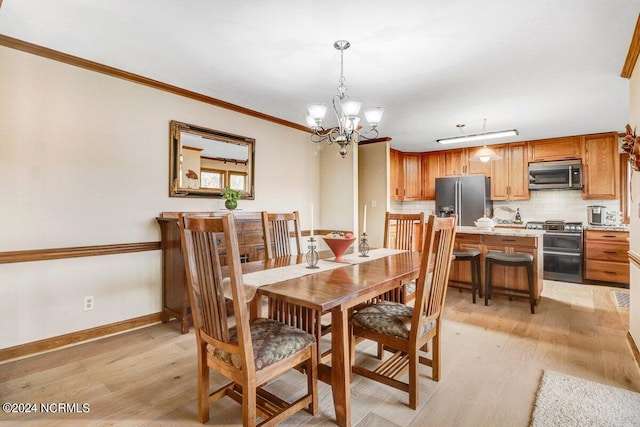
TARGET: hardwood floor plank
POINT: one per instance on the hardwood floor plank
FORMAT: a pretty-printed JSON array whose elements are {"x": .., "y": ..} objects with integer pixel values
[{"x": 493, "y": 358}]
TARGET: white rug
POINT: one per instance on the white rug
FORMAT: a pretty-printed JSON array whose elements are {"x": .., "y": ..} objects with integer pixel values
[{"x": 564, "y": 400}]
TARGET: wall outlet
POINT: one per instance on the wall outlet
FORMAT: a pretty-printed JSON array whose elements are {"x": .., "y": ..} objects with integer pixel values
[
  {"x": 373, "y": 203},
  {"x": 88, "y": 303}
]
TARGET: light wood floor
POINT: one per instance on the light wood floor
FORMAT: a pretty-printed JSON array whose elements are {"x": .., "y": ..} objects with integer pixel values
[{"x": 493, "y": 358}]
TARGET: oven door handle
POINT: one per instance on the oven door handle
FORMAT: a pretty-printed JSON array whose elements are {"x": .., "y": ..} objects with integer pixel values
[
  {"x": 561, "y": 253},
  {"x": 551, "y": 233}
]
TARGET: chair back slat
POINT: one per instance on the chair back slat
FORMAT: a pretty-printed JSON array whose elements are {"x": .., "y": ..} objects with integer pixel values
[
  {"x": 278, "y": 228},
  {"x": 409, "y": 231},
  {"x": 200, "y": 237},
  {"x": 431, "y": 287}
]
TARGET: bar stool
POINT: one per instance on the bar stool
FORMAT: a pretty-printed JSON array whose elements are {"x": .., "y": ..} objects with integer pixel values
[
  {"x": 508, "y": 260},
  {"x": 473, "y": 257}
]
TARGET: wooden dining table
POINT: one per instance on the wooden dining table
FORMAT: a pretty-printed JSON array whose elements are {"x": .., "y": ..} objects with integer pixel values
[{"x": 336, "y": 292}]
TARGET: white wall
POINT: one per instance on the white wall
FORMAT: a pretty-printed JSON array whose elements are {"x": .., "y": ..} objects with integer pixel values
[
  {"x": 634, "y": 235},
  {"x": 84, "y": 160},
  {"x": 373, "y": 188}
]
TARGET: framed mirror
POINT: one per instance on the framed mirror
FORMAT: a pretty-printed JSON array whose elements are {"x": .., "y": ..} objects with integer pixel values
[{"x": 203, "y": 161}]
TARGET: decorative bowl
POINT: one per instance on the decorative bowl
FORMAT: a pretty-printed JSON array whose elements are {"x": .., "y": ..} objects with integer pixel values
[
  {"x": 484, "y": 223},
  {"x": 338, "y": 245}
]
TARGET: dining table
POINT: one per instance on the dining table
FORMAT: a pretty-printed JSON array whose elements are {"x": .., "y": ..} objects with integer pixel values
[{"x": 331, "y": 290}]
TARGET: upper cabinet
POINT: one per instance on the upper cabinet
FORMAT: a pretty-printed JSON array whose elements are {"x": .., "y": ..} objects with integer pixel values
[
  {"x": 412, "y": 176},
  {"x": 555, "y": 149},
  {"x": 509, "y": 175},
  {"x": 430, "y": 171},
  {"x": 601, "y": 164},
  {"x": 453, "y": 162},
  {"x": 397, "y": 172}
]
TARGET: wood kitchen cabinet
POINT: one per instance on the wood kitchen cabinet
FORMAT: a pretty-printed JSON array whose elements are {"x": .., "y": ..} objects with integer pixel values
[
  {"x": 516, "y": 277},
  {"x": 396, "y": 175},
  {"x": 175, "y": 296},
  {"x": 412, "y": 166},
  {"x": 554, "y": 149},
  {"x": 430, "y": 171},
  {"x": 453, "y": 162},
  {"x": 606, "y": 256},
  {"x": 460, "y": 272},
  {"x": 509, "y": 175},
  {"x": 601, "y": 164}
]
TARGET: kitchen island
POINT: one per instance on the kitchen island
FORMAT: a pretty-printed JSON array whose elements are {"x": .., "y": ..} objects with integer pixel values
[{"x": 510, "y": 240}]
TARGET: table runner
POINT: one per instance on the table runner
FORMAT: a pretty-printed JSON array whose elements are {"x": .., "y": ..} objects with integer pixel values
[
  {"x": 252, "y": 281},
  {"x": 355, "y": 258}
]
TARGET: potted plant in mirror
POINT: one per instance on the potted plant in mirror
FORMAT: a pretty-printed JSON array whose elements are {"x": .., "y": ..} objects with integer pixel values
[{"x": 230, "y": 197}]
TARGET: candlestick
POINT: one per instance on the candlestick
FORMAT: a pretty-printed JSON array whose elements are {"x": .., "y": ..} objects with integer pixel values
[
  {"x": 364, "y": 246},
  {"x": 312, "y": 254},
  {"x": 364, "y": 220},
  {"x": 311, "y": 219}
]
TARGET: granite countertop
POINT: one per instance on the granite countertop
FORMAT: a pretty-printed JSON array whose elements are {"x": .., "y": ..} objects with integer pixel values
[
  {"x": 501, "y": 231},
  {"x": 607, "y": 227}
]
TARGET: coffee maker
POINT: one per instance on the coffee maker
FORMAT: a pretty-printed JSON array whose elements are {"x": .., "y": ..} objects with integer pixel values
[{"x": 597, "y": 215}]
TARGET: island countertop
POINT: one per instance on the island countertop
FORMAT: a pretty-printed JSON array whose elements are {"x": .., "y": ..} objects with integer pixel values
[{"x": 517, "y": 232}]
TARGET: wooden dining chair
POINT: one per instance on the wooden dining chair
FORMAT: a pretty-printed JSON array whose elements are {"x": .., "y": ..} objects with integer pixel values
[
  {"x": 406, "y": 330},
  {"x": 403, "y": 231},
  {"x": 278, "y": 228},
  {"x": 252, "y": 352}
]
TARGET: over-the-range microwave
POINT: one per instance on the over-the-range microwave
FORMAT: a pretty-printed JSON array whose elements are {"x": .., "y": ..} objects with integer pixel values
[{"x": 560, "y": 175}]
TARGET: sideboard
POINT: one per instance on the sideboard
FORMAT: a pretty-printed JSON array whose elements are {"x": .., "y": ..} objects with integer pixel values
[{"x": 175, "y": 298}]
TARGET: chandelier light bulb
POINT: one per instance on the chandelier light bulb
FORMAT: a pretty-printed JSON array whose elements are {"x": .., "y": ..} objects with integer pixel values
[
  {"x": 350, "y": 107},
  {"x": 373, "y": 115},
  {"x": 317, "y": 111}
]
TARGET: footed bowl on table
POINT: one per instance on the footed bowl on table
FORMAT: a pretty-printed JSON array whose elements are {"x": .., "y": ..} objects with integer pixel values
[{"x": 339, "y": 243}]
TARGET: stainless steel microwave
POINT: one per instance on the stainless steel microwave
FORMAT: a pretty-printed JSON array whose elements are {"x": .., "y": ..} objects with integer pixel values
[{"x": 561, "y": 175}]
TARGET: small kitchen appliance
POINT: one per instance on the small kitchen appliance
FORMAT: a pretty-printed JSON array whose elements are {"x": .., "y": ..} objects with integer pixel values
[{"x": 597, "y": 215}]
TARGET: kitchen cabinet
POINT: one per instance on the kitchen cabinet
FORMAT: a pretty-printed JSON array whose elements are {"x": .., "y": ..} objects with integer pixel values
[
  {"x": 460, "y": 273},
  {"x": 509, "y": 175},
  {"x": 453, "y": 162},
  {"x": 476, "y": 167},
  {"x": 430, "y": 171},
  {"x": 515, "y": 277},
  {"x": 554, "y": 149},
  {"x": 601, "y": 166},
  {"x": 606, "y": 256},
  {"x": 412, "y": 167},
  {"x": 396, "y": 175}
]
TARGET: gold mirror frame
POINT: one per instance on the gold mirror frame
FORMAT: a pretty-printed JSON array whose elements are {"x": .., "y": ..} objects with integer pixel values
[{"x": 209, "y": 151}]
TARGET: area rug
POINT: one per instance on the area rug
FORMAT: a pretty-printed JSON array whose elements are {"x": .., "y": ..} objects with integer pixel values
[
  {"x": 622, "y": 299},
  {"x": 564, "y": 400}
]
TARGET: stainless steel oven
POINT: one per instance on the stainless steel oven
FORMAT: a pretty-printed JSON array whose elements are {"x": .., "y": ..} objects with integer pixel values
[{"x": 562, "y": 250}]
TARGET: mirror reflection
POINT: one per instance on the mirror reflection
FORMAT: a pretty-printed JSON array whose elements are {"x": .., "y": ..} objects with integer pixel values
[{"x": 204, "y": 161}]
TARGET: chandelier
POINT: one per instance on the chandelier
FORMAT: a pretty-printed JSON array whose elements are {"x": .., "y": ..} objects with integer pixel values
[{"x": 346, "y": 111}]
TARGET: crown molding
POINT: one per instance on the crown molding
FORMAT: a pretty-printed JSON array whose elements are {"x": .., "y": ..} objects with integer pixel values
[{"x": 632, "y": 54}]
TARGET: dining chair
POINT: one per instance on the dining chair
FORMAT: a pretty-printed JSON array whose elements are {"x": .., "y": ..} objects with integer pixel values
[
  {"x": 406, "y": 330},
  {"x": 250, "y": 353},
  {"x": 403, "y": 231},
  {"x": 278, "y": 229}
]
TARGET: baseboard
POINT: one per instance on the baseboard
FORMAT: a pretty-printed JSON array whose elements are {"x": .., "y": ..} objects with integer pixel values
[
  {"x": 634, "y": 349},
  {"x": 32, "y": 348}
]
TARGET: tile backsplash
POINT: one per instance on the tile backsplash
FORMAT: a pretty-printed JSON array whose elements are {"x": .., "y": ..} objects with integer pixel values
[{"x": 543, "y": 205}]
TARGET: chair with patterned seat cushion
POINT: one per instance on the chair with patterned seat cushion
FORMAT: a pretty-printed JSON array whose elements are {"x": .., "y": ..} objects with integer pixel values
[
  {"x": 406, "y": 330},
  {"x": 251, "y": 353}
]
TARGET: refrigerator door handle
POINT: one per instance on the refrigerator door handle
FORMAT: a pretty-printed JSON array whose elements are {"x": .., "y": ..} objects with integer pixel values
[{"x": 458, "y": 199}]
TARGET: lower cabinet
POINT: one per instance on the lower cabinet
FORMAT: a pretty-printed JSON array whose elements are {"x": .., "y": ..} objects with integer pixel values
[
  {"x": 175, "y": 296},
  {"x": 502, "y": 276},
  {"x": 606, "y": 256}
]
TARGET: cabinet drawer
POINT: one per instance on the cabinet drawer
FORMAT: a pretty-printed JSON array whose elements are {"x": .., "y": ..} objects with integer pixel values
[
  {"x": 616, "y": 272},
  {"x": 469, "y": 238},
  {"x": 605, "y": 251},
  {"x": 510, "y": 241},
  {"x": 609, "y": 236}
]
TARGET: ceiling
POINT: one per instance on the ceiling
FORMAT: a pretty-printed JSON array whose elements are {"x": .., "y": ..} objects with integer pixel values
[{"x": 548, "y": 68}]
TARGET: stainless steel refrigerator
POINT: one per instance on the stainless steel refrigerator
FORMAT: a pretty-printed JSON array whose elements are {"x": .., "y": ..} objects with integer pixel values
[{"x": 467, "y": 196}]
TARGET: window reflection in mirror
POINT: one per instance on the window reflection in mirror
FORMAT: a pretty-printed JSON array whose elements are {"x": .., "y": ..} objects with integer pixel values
[{"x": 204, "y": 161}]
